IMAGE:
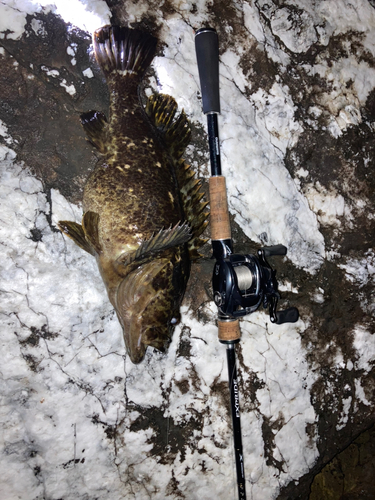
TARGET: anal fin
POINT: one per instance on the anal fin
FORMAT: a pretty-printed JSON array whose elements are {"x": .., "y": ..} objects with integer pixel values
[{"x": 95, "y": 125}]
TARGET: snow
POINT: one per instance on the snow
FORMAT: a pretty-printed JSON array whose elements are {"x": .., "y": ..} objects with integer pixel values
[{"x": 88, "y": 73}]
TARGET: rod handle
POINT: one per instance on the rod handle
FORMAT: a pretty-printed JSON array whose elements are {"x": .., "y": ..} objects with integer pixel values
[
  {"x": 207, "y": 51},
  {"x": 229, "y": 331},
  {"x": 219, "y": 215}
]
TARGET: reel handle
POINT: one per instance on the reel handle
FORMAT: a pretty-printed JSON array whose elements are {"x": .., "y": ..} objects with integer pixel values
[
  {"x": 290, "y": 315},
  {"x": 274, "y": 250},
  {"x": 207, "y": 50}
]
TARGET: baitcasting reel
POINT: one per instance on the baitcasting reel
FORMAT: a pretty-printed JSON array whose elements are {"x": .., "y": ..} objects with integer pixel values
[{"x": 242, "y": 282}]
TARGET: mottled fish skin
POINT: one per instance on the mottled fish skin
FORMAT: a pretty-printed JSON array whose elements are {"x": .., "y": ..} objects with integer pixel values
[{"x": 135, "y": 220}]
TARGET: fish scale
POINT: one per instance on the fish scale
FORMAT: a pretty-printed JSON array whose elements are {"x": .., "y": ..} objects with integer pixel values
[{"x": 143, "y": 213}]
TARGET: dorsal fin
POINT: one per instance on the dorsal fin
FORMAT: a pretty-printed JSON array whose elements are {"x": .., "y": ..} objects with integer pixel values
[
  {"x": 175, "y": 131},
  {"x": 95, "y": 125},
  {"x": 195, "y": 209},
  {"x": 76, "y": 233}
]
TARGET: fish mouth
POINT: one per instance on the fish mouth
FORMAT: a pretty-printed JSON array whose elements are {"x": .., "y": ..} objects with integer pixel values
[{"x": 145, "y": 306}]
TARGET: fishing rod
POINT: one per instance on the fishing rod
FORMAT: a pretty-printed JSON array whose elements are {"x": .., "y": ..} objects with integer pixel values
[{"x": 241, "y": 283}]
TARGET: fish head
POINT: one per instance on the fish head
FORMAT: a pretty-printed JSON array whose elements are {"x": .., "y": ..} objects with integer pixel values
[{"x": 147, "y": 303}]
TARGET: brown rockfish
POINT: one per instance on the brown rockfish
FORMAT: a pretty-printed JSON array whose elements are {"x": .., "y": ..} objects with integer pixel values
[{"x": 143, "y": 213}]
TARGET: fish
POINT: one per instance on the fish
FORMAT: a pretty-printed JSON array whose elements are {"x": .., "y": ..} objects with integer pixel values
[{"x": 143, "y": 207}]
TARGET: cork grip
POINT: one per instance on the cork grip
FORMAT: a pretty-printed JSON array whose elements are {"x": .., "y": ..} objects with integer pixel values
[
  {"x": 229, "y": 331},
  {"x": 219, "y": 215}
]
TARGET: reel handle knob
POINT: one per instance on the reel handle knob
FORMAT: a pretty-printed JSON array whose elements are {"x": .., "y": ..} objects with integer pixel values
[
  {"x": 289, "y": 315},
  {"x": 274, "y": 250},
  {"x": 207, "y": 50}
]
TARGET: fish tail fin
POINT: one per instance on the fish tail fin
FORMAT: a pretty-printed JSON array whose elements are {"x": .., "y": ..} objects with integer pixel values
[{"x": 123, "y": 50}]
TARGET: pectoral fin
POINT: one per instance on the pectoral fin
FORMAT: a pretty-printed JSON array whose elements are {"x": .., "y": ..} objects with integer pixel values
[
  {"x": 164, "y": 239},
  {"x": 77, "y": 234}
]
